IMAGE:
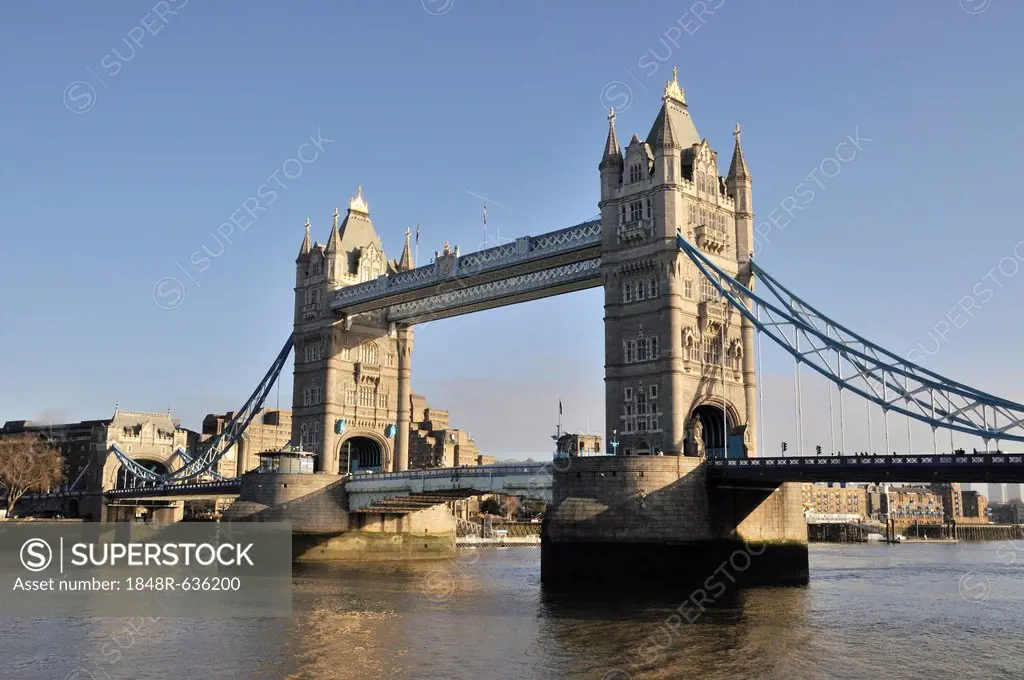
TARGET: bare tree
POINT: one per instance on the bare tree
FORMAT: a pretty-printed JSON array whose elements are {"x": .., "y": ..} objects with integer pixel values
[{"x": 28, "y": 463}]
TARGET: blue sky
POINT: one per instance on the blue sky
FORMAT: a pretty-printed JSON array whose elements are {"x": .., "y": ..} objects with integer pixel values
[{"x": 427, "y": 103}]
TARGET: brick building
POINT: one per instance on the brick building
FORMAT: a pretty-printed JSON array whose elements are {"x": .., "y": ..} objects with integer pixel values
[
  {"x": 975, "y": 507},
  {"x": 833, "y": 500}
]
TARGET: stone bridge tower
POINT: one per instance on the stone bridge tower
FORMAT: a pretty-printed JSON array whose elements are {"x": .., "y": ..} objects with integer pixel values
[
  {"x": 679, "y": 364},
  {"x": 348, "y": 373}
]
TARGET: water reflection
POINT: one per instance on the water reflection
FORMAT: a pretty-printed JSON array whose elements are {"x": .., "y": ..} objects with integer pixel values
[{"x": 868, "y": 610}]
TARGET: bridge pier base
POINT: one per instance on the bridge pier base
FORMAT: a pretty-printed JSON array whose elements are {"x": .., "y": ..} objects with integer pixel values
[
  {"x": 165, "y": 513},
  {"x": 654, "y": 521},
  {"x": 325, "y": 529}
]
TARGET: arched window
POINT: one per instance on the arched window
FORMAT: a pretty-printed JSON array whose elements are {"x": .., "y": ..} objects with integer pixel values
[
  {"x": 368, "y": 353},
  {"x": 736, "y": 355},
  {"x": 691, "y": 347}
]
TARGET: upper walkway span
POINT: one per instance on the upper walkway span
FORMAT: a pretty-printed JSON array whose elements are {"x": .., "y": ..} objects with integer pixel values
[{"x": 529, "y": 268}]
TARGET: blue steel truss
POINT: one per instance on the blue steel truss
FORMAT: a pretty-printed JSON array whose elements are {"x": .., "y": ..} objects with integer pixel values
[
  {"x": 214, "y": 449},
  {"x": 859, "y": 365}
]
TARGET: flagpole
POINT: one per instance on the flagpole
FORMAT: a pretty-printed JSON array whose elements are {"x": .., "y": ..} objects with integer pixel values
[
  {"x": 417, "y": 262},
  {"x": 485, "y": 224}
]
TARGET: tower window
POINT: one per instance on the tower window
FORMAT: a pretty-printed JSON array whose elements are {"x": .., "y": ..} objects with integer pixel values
[
  {"x": 634, "y": 173},
  {"x": 712, "y": 351},
  {"x": 368, "y": 353},
  {"x": 650, "y": 208},
  {"x": 628, "y": 394},
  {"x": 654, "y": 391},
  {"x": 688, "y": 288},
  {"x": 635, "y": 211},
  {"x": 708, "y": 292},
  {"x": 652, "y": 288}
]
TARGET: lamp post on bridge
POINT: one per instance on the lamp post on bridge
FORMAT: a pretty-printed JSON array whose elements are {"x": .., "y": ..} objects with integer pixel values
[{"x": 615, "y": 442}]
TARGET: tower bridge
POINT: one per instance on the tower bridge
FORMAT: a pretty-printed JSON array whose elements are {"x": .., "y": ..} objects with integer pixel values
[{"x": 672, "y": 250}]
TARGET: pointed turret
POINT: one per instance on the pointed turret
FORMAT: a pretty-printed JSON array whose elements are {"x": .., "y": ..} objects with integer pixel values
[
  {"x": 305, "y": 249},
  {"x": 674, "y": 118},
  {"x": 354, "y": 246},
  {"x": 667, "y": 138},
  {"x": 405, "y": 263},
  {"x": 332, "y": 240},
  {"x": 738, "y": 168},
  {"x": 612, "y": 157}
]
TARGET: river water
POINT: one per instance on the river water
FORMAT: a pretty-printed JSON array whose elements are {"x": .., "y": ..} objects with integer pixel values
[{"x": 905, "y": 611}]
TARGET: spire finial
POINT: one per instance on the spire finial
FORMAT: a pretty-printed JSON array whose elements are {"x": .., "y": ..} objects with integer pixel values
[
  {"x": 335, "y": 218},
  {"x": 672, "y": 89},
  {"x": 611, "y": 114},
  {"x": 736, "y": 133},
  {"x": 358, "y": 204},
  {"x": 307, "y": 226}
]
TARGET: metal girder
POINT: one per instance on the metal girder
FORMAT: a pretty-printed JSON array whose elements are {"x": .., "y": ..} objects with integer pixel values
[
  {"x": 856, "y": 364},
  {"x": 399, "y": 287},
  {"x": 213, "y": 449},
  {"x": 461, "y": 297}
]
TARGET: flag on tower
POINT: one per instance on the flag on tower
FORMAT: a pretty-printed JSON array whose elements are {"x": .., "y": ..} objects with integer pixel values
[
  {"x": 417, "y": 235},
  {"x": 485, "y": 214},
  {"x": 559, "y": 407}
]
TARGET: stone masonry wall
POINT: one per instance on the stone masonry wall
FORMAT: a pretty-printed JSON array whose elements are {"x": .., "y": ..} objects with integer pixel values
[
  {"x": 314, "y": 504},
  {"x": 665, "y": 500}
]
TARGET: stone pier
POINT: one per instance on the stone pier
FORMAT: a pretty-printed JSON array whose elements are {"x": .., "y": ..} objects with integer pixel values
[
  {"x": 324, "y": 529},
  {"x": 653, "y": 520}
]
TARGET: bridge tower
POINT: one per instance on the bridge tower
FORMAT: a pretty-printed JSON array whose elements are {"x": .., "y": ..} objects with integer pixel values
[
  {"x": 347, "y": 372},
  {"x": 679, "y": 367}
]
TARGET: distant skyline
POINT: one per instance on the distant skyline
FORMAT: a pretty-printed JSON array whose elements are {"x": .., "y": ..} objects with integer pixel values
[{"x": 159, "y": 167}]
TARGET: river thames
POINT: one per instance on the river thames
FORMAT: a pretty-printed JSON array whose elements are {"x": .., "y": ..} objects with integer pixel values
[{"x": 905, "y": 611}]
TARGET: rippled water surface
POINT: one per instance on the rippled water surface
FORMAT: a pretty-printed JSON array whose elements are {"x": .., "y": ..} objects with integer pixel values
[{"x": 906, "y": 611}]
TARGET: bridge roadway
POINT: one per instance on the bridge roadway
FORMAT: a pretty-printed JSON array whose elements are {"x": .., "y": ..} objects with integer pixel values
[
  {"x": 416, "y": 489},
  {"x": 407, "y": 490},
  {"x": 189, "y": 490},
  {"x": 921, "y": 468}
]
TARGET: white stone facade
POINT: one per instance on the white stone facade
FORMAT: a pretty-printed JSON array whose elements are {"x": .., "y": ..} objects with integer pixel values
[{"x": 676, "y": 355}]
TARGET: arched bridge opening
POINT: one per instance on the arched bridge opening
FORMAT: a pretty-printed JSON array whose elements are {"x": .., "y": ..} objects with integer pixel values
[
  {"x": 128, "y": 480},
  {"x": 360, "y": 454}
]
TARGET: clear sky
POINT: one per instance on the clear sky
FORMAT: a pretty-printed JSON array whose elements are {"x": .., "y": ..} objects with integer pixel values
[{"x": 128, "y": 138}]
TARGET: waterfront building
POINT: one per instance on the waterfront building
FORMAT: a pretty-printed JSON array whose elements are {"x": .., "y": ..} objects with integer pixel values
[
  {"x": 952, "y": 503},
  {"x": 975, "y": 508},
  {"x": 913, "y": 504},
  {"x": 828, "y": 500},
  {"x": 152, "y": 439}
]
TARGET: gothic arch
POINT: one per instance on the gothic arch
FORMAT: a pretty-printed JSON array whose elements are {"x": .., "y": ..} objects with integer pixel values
[
  {"x": 360, "y": 438},
  {"x": 708, "y": 412},
  {"x": 125, "y": 480}
]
